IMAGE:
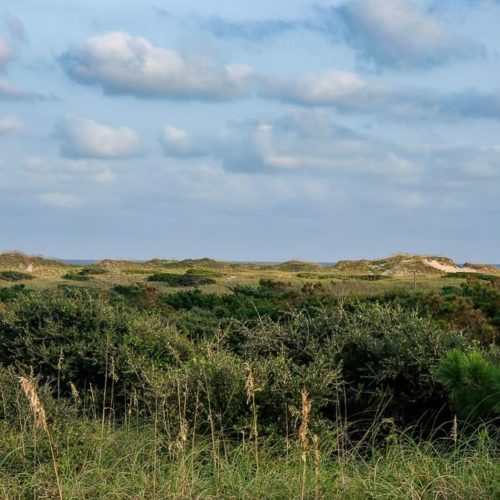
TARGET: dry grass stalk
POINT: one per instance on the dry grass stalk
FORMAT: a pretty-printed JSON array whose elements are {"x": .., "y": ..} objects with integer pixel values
[
  {"x": 317, "y": 460},
  {"x": 251, "y": 389},
  {"x": 114, "y": 374},
  {"x": 304, "y": 437},
  {"x": 304, "y": 426},
  {"x": 40, "y": 418},
  {"x": 60, "y": 361},
  {"x": 249, "y": 382},
  {"x": 35, "y": 405},
  {"x": 74, "y": 393},
  {"x": 454, "y": 430},
  {"x": 181, "y": 441}
]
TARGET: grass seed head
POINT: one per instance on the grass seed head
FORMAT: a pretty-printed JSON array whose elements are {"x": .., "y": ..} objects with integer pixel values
[{"x": 36, "y": 407}]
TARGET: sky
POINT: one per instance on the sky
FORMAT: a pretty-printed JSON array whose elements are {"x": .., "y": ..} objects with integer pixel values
[{"x": 263, "y": 131}]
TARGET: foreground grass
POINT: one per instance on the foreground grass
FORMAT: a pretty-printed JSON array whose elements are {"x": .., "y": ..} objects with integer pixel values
[{"x": 124, "y": 462}]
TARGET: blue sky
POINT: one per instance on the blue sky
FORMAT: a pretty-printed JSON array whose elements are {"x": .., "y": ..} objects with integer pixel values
[{"x": 250, "y": 130}]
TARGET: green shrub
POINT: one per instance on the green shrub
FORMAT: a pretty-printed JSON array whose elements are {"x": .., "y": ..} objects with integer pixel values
[
  {"x": 472, "y": 382},
  {"x": 9, "y": 293},
  {"x": 15, "y": 276},
  {"x": 93, "y": 271},
  {"x": 178, "y": 280},
  {"x": 356, "y": 362}
]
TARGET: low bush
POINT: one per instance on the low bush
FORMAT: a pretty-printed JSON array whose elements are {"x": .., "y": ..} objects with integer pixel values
[
  {"x": 181, "y": 280},
  {"x": 9, "y": 293},
  {"x": 15, "y": 276}
]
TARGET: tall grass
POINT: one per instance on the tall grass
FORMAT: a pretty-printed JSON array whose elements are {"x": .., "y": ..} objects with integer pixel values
[
  {"x": 118, "y": 464},
  {"x": 69, "y": 454}
]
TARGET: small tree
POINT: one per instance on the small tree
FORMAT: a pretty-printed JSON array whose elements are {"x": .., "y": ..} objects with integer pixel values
[{"x": 473, "y": 383}]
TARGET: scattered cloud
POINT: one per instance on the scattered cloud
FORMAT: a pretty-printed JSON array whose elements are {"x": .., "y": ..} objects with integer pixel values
[
  {"x": 383, "y": 33},
  {"x": 342, "y": 88},
  {"x": 251, "y": 30},
  {"x": 315, "y": 142},
  {"x": 84, "y": 138},
  {"x": 394, "y": 33},
  {"x": 9, "y": 124},
  {"x": 298, "y": 141},
  {"x": 311, "y": 143},
  {"x": 60, "y": 200},
  {"x": 123, "y": 64},
  {"x": 9, "y": 92},
  {"x": 349, "y": 93}
]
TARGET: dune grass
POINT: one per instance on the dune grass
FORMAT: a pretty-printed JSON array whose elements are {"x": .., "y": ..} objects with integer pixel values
[{"x": 140, "y": 462}]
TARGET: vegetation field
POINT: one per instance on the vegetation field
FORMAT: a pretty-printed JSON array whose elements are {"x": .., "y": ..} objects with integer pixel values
[{"x": 206, "y": 379}]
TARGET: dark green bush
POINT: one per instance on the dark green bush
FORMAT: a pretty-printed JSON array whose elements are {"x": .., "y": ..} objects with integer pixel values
[
  {"x": 15, "y": 276},
  {"x": 178, "y": 280},
  {"x": 93, "y": 271},
  {"x": 357, "y": 361},
  {"x": 8, "y": 293}
]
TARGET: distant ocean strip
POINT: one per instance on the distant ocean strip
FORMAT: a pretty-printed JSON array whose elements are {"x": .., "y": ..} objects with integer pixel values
[{"x": 88, "y": 262}]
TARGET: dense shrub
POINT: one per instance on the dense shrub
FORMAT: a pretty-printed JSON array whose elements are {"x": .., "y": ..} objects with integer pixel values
[
  {"x": 362, "y": 360},
  {"x": 15, "y": 276},
  {"x": 93, "y": 271},
  {"x": 188, "y": 279},
  {"x": 8, "y": 293}
]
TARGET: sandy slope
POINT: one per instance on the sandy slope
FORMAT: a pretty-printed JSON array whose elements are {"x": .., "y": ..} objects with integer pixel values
[{"x": 448, "y": 268}]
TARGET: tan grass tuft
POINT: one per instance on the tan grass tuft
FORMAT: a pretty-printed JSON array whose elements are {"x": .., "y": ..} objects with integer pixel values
[
  {"x": 34, "y": 401},
  {"x": 74, "y": 393}
]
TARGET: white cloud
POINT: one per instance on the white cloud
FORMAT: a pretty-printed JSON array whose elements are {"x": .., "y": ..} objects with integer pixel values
[
  {"x": 340, "y": 88},
  {"x": 84, "y": 138},
  {"x": 60, "y": 200},
  {"x": 280, "y": 149},
  {"x": 349, "y": 93},
  {"x": 10, "y": 124},
  {"x": 395, "y": 33},
  {"x": 125, "y": 64},
  {"x": 313, "y": 142}
]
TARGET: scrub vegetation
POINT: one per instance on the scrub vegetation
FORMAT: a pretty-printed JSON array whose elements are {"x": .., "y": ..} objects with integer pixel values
[{"x": 278, "y": 386}]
